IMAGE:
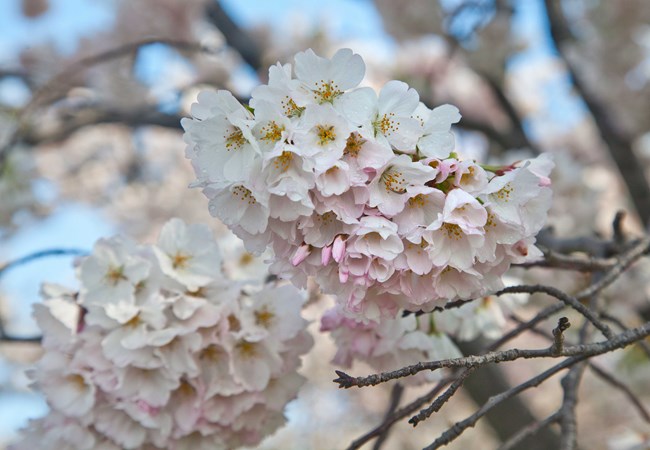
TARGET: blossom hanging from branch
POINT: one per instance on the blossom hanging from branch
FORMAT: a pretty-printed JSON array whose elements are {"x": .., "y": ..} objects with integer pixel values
[{"x": 363, "y": 191}]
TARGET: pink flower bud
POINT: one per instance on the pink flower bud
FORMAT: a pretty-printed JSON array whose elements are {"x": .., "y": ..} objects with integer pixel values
[
  {"x": 301, "y": 254},
  {"x": 326, "y": 255},
  {"x": 343, "y": 275},
  {"x": 522, "y": 248},
  {"x": 338, "y": 248}
]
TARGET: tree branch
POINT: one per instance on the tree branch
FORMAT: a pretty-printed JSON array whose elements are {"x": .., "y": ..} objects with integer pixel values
[
  {"x": 583, "y": 351},
  {"x": 617, "y": 142},
  {"x": 528, "y": 431},
  {"x": 39, "y": 255}
]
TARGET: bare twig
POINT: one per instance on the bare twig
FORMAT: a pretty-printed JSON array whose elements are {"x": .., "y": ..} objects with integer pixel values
[
  {"x": 444, "y": 397},
  {"x": 234, "y": 35},
  {"x": 564, "y": 297},
  {"x": 558, "y": 335},
  {"x": 616, "y": 140},
  {"x": 556, "y": 260},
  {"x": 624, "y": 261},
  {"x": 395, "y": 397},
  {"x": 131, "y": 118},
  {"x": 40, "y": 254},
  {"x": 55, "y": 85},
  {"x": 606, "y": 316},
  {"x": 528, "y": 431},
  {"x": 542, "y": 315},
  {"x": 618, "y": 384},
  {"x": 568, "y": 422},
  {"x": 458, "y": 428},
  {"x": 582, "y": 350},
  {"x": 400, "y": 414}
]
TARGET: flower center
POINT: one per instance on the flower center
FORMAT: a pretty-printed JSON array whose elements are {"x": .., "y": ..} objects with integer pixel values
[
  {"x": 353, "y": 145},
  {"x": 325, "y": 134},
  {"x": 326, "y": 92},
  {"x": 504, "y": 193},
  {"x": 244, "y": 194},
  {"x": 179, "y": 260},
  {"x": 386, "y": 124},
  {"x": 393, "y": 181},
  {"x": 290, "y": 109},
  {"x": 235, "y": 140},
  {"x": 283, "y": 161},
  {"x": 247, "y": 349},
  {"x": 264, "y": 317},
  {"x": 272, "y": 132},
  {"x": 453, "y": 231},
  {"x": 115, "y": 275},
  {"x": 417, "y": 202}
]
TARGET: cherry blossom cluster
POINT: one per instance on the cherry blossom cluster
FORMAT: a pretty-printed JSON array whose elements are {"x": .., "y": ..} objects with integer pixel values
[
  {"x": 159, "y": 350},
  {"x": 362, "y": 191}
]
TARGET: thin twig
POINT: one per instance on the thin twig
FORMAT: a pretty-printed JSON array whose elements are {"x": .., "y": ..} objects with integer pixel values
[
  {"x": 558, "y": 335},
  {"x": 444, "y": 397},
  {"x": 400, "y": 414},
  {"x": 458, "y": 428},
  {"x": 528, "y": 431},
  {"x": 555, "y": 260},
  {"x": 568, "y": 421},
  {"x": 624, "y": 262},
  {"x": 618, "y": 384},
  {"x": 616, "y": 139},
  {"x": 616, "y": 321},
  {"x": 564, "y": 297},
  {"x": 583, "y": 350},
  {"x": 40, "y": 254},
  {"x": 395, "y": 397},
  {"x": 61, "y": 80},
  {"x": 541, "y": 316}
]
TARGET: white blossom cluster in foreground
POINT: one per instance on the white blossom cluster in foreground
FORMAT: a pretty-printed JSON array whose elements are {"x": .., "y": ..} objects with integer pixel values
[
  {"x": 159, "y": 350},
  {"x": 362, "y": 190}
]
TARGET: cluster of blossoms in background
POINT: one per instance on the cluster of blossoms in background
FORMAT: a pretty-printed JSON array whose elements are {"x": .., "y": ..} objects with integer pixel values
[
  {"x": 159, "y": 350},
  {"x": 362, "y": 190}
]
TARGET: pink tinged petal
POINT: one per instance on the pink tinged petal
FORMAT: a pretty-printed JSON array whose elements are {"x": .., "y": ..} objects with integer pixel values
[
  {"x": 326, "y": 255},
  {"x": 301, "y": 254},
  {"x": 343, "y": 275},
  {"x": 338, "y": 248}
]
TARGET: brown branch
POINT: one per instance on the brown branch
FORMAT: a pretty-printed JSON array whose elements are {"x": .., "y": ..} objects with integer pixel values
[
  {"x": 606, "y": 316},
  {"x": 131, "y": 118},
  {"x": 57, "y": 83},
  {"x": 564, "y": 297},
  {"x": 444, "y": 397},
  {"x": 528, "y": 431},
  {"x": 458, "y": 428},
  {"x": 558, "y": 335},
  {"x": 234, "y": 35},
  {"x": 567, "y": 412},
  {"x": 616, "y": 140},
  {"x": 395, "y": 397},
  {"x": 39, "y": 255},
  {"x": 400, "y": 414},
  {"x": 582, "y": 350},
  {"x": 542, "y": 315},
  {"x": 615, "y": 382},
  {"x": 556, "y": 260}
]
